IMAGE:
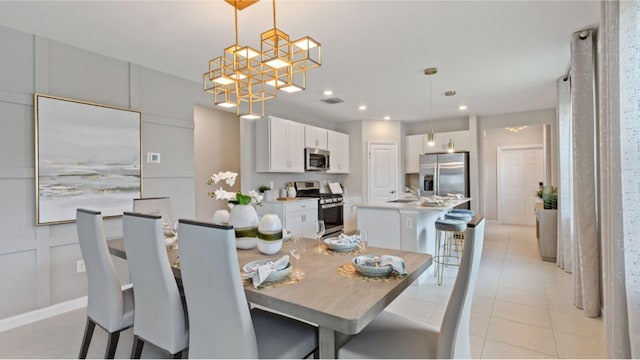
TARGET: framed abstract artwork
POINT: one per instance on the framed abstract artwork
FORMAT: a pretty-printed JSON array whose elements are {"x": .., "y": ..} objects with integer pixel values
[{"x": 87, "y": 155}]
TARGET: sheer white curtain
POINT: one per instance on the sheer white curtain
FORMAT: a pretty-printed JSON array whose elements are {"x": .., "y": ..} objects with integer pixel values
[
  {"x": 629, "y": 25},
  {"x": 586, "y": 252},
  {"x": 619, "y": 131},
  {"x": 565, "y": 176}
]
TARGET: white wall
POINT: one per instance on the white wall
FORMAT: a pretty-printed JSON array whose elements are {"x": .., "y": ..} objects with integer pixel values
[
  {"x": 217, "y": 148},
  {"x": 487, "y": 155},
  {"x": 41, "y": 260},
  {"x": 494, "y": 138}
]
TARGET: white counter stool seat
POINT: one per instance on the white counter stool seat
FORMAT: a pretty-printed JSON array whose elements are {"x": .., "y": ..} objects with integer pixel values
[
  {"x": 446, "y": 248},
  {"x": 463, "y": 211}
]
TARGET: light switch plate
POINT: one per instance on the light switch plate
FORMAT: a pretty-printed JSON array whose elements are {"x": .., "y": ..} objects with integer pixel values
[{"x": 153, "y": 158}]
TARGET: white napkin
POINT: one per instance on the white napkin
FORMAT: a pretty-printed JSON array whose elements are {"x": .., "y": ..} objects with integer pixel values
[
  {"x": 260, "y": 273},
  {"x": 397, "y": 263},
  {"x": 457, "y": 196}
]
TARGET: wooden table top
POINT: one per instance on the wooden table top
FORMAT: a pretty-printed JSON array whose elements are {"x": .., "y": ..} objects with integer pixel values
[{"x": 325, "y": 296}]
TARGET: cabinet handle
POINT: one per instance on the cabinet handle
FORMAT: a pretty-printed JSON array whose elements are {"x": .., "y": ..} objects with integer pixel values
[{"x": 304, "y": 218}]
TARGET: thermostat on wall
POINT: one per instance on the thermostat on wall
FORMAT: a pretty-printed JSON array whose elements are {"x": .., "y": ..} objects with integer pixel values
[{"x": 153, "y": 158}]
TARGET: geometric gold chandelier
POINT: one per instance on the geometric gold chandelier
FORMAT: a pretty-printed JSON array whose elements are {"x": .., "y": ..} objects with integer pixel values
[{"x": 244, "y": 77}]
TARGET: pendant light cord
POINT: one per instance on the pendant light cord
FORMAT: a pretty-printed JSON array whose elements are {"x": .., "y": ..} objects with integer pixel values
[{"x": 274, "y": 14}]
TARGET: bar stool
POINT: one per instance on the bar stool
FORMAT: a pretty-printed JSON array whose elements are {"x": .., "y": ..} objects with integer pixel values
[{"x": 444, "y": 256}]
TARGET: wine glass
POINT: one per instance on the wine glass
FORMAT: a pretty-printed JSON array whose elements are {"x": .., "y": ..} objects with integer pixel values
[
  {"x": 297, "y": 248},
  {"x": 319, "y": 231},
  {"x": 364, "y": 239}
]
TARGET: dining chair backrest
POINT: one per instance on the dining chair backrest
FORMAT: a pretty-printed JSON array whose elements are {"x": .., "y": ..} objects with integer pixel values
[
  {"x": 453, "y": 341},
  {"x": 105, "y": 302},
  {"x": 160, "y": 317},
  {"x": 219, "y": 318},
  {"x": 155, "y": 206}
]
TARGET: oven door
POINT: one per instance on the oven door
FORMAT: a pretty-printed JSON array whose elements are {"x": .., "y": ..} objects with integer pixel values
[{"x": 333, "y": 216}]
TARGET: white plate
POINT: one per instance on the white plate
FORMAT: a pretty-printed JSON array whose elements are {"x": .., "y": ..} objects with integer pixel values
[
  {"x": 274, "y": 276},
  {"x": 336, "y": 246}
]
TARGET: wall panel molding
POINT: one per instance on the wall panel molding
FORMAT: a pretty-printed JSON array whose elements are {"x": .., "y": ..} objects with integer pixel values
[{"x": 16, "y": 98}]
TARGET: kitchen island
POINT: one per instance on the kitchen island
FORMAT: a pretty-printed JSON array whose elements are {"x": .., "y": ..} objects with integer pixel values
[{"x": 403, "y": 225}]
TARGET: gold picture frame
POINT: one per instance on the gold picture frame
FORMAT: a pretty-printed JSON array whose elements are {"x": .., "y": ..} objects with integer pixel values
[{"x": 87, "y": 155}]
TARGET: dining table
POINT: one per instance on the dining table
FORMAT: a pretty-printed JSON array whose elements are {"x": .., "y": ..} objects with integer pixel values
[{"x": 328, "y": 292}]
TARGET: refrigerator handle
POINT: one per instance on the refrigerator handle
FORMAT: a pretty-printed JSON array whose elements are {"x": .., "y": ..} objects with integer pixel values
[{"x": 436, "y": 181}]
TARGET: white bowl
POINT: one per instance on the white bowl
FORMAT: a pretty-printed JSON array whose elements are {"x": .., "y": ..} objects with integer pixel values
[
  {"x": 274, "y": 276},
  {"x": 269, "y": 247}
]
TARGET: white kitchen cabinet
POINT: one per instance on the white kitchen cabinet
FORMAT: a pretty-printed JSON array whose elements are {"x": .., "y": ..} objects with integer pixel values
[
  {"x": 351, "y": 203},
  {"x": 415, "y": 145},
  {"x": 339, "y": 152},
  {"x": 279, "y": 145},
  {"x": 460, "y": 141},
  {"x": 315, "y": 137},
  {"x": 298, "y": 216}
]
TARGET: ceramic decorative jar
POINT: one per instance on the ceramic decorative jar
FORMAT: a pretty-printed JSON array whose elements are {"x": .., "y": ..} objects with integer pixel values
[
  {"x": 270, "y": 234},
  {"x": 220, "y": 217},
  {"x": 244, "y": 219}
]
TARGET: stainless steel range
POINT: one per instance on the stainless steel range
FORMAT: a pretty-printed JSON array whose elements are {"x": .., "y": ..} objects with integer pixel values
[{"x": 330, "y": 206}]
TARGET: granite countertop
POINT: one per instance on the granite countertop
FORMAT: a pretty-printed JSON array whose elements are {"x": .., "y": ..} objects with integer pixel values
[{"x": 414, "y": 205}]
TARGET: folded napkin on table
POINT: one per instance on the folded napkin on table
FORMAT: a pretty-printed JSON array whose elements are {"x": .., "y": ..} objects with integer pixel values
[
  {"x": 260, "y": 273},
  {"x": 396, "y": 262}
]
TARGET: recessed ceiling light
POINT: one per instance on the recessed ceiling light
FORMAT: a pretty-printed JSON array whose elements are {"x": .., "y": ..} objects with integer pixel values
[
  {"x": 387, "y": 118},
  {"x": 362, "y": 107},
  {"x": 462, "y": 107},
  {"x": 328, "y": 92}
]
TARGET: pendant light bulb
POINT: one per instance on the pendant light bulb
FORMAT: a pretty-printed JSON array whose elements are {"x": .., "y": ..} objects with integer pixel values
[
  {"x": 430, "y": 138},
  {"x": 450, "y": 146}
]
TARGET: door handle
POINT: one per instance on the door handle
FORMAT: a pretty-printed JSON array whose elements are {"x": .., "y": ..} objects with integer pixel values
[{"x": 392, "y": 192}]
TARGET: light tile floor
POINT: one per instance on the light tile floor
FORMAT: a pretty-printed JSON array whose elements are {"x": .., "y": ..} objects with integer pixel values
[
  {"x": 522, "y": 309},
  {"x": 522, "y": 306}
]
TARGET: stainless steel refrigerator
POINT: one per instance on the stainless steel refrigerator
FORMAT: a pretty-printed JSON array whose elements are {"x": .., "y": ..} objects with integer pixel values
[{"x": 442, "y": 174}]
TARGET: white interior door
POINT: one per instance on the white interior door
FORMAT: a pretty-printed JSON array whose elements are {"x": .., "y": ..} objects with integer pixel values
[
  {"x": 519, "y": 172},
  {"x": 383, "y": 172}
]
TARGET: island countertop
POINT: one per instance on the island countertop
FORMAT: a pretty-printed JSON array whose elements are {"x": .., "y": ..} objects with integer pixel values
[{"x": 414, "y": 205}]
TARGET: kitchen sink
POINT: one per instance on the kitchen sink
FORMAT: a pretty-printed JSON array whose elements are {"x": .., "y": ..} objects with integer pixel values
[{"x": 402, "y": 201}]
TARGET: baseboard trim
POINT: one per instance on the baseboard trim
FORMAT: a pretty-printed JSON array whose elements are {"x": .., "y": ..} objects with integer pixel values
[{"x": 41, "y": 314}]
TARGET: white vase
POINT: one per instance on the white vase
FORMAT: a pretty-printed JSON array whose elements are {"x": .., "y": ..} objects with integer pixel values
[
  {"x": 244, "y": 219},
  {"x": 270, "y": 234},
  {"x": 220, "y": 217}
]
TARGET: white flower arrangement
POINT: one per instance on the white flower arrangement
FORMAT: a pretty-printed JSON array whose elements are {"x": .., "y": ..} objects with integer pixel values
[{"x": 232, "y": 197}]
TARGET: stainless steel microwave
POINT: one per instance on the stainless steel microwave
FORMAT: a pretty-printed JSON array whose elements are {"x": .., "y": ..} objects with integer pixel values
[{"x": 316, "y": 159}]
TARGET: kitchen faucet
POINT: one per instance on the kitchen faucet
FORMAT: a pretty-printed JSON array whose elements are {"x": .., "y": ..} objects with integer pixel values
[{"x": 415, "y": 192}]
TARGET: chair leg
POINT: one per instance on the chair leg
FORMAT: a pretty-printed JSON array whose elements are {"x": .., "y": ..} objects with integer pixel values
[
  {"x": 86, "y": 340},
  {"x": 136, "y": 350},
  {"x": 112, "y": 344},
  {"x": 178, "y": 355}
]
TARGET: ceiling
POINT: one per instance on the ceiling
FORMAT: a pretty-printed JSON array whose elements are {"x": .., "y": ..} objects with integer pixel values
[{"x": 499, "y": 56}]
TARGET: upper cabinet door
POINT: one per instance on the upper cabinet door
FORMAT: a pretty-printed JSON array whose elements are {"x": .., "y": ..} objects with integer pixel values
[
  {"x": 279, "y": 145},
  {"x": 315, "y": 137},
  {"x": 338, "y": 144},
  {"x": 415, "y": 145},
  {"x": 295, "y": 146}
]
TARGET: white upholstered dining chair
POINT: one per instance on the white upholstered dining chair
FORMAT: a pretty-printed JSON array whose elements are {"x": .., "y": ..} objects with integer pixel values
[
  {"x": 160, "y": 315},
  {"x": 394, "y": 336},
  {"x": 221, "y": 324},
  {"x": 108, "y": 305}
]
